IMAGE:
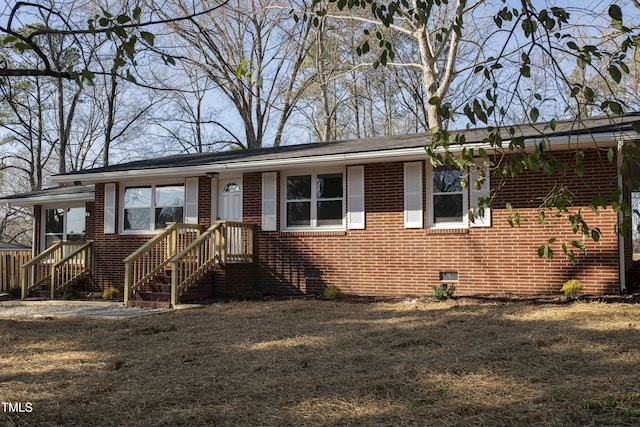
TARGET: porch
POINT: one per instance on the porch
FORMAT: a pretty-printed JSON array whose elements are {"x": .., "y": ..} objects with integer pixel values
[{"x": 174, "y": 266}]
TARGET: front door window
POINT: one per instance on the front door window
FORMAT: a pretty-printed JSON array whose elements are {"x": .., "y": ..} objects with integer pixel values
[{"x": 230, "y": 202}]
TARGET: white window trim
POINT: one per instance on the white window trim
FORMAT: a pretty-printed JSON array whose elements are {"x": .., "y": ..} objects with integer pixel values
[
  {"x": 314, "y": 174},
  {"x": 445, "y": 225},
  {"x": 153, "y": 186}
]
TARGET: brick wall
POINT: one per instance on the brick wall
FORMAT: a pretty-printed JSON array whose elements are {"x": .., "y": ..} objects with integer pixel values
[
  {"x": 111, "y": 249},
  {"x": 90, "y": 210},
  {"x": 37, "y": 233},
  {"x": 387, "y": 259}
]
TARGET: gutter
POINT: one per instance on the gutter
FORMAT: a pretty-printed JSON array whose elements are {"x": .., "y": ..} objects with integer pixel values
[
  {"x": 44, "y": 199},
  {"x": 555, "y": 143}
]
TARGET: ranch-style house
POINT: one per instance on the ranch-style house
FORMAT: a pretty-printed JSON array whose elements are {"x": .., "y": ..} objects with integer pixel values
[{"x": 371, "y": 216}]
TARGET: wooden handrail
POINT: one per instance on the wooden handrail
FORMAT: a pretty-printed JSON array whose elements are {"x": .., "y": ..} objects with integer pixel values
[
  {"x": 154, "y": 255},
  {"x": 171, "y": 227},
  {"x": 71, "y": 267},
  {"x": 43, "y": 254},
  {"x": 221, "y": 242},
  {"x": 40, "y": 268}
]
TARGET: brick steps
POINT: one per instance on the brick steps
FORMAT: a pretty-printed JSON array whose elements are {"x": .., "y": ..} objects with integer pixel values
[{"x": 157, "y": 293}]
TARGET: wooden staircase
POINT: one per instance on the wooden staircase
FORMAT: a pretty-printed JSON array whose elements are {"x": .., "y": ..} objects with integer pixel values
[
  {"x": 57, "y": 268},
  {"x": 177, "y": 266}
]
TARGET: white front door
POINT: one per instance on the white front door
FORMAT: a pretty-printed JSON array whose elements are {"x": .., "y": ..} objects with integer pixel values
[{"x": 230, "y": 199}]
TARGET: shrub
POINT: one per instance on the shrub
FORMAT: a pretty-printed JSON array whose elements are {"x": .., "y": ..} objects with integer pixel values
[
  {"x": 332, "y": 293},
  {"x": 71, "y": 293},
  {"x": 248, "y": 295},
  {"x": 15, "y": 292},
  {"x": 442, "y": 292},
  {"x": 110, "y": 294},
  {"x": 572, "y": 288}
]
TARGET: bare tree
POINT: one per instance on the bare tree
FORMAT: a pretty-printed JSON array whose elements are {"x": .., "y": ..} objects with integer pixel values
[
  {"x": 252, "y": 51},
  {"x": 190, "y": 119},
  {"x": 28, "y": 144}
]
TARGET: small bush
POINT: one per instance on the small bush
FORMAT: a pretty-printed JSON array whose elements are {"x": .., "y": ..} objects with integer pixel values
[
  {"x": 572, "y": 288},
  {"x": 15, "y": 292},
  {"x": 332, "y": 293},
  {"x": 248, "y": 295},
  {"x": 71, "y": 293},
  {"x": 110, "y": 294},
  {"x": 442, "y": 292}
]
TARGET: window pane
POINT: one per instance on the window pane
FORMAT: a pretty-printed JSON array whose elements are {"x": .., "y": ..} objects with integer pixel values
[
  {"x": 231, "y": 187},
  {"x": 137, "y": 219},
  {"x": 447, "y": 208},
  {"x": 75, "y": 222},
  {"x": 446, "y": 180},
  {"x": 50, "y": 239},
  {"x": 54, "y": 221},
  {"x": 165, "y": 215},
  {"x": 172, "y": 195},
  {"x": 298, "y": 213},
  {"x": 136, "y": 197},
  {"x": 330, "y": 213},
  {"x": 329, "y": 186},
  {"x": 299, "y": 187}
]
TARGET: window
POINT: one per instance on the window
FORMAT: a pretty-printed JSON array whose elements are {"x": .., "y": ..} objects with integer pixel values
[
  {"x": 299, "y": 201},
  {"x": 448, "y": 198},
  {"x": 152, "y": 207},
  {"x": 64, "y": 224},
  {"x": 314, "y": 201},
  {"x": 231, "y": 187},
  {"x": 329, "y": 199}
]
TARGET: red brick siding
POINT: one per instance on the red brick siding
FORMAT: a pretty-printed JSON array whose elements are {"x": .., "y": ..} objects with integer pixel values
[
  {"x": 387, "y": 259},
  {"x": 89, "y": 220},
  {"x": 37, "y": 233},
  {"x": 112, "y": 249},
  {"x": 233, "y": 279},
  {"x": 204, "y": 201}
]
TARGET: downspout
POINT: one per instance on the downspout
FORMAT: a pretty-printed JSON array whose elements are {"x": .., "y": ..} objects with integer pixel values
[
  {"x": 621, "y": 257},
  {"x": 34, "y": 228}
]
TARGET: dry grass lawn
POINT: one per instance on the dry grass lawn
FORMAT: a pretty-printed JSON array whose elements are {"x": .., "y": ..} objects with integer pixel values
[{"x": 300, "y": 362}]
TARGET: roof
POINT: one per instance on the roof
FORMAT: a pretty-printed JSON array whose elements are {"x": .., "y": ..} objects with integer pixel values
[
  {"x": 13, "y": 247},
  {"x": 346, "y": 151},
  {"x": 61, "y": 194}
]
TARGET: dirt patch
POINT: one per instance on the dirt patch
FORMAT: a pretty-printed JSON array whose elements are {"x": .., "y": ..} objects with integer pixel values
[{"x": 311, "y": 362}]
